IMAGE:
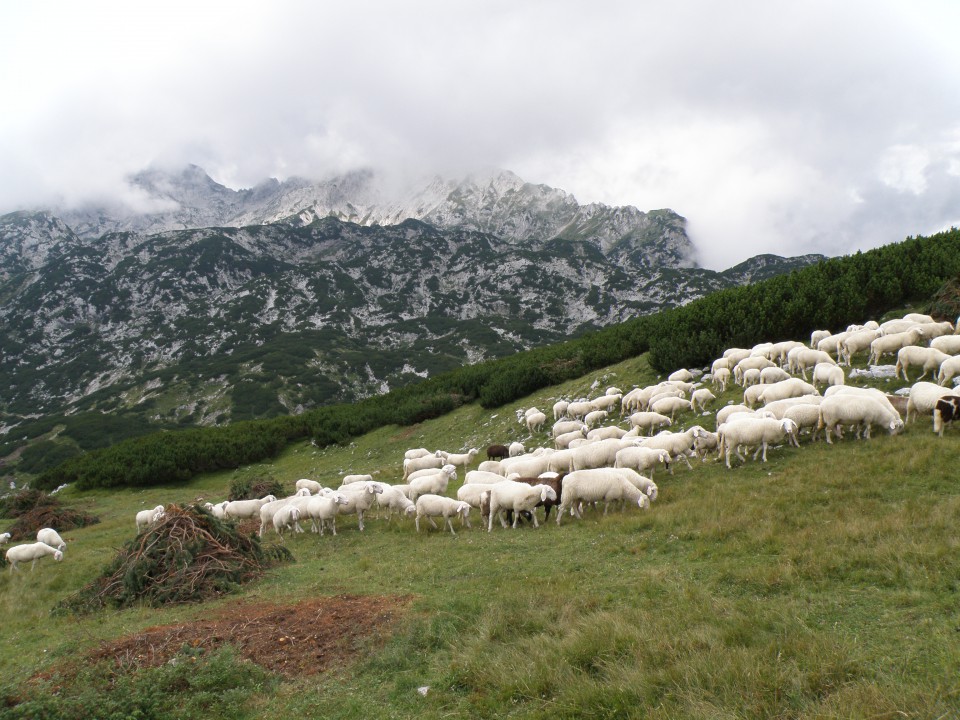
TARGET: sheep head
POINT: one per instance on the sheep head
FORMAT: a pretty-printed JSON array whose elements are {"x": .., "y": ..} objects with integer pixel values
[{"x": 58, "y": 556}]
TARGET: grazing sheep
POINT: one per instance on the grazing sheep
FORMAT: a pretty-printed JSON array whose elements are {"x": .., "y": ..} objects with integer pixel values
[
  {"x": 554, "y": 481},
  {"x": 752, "y": 432},
  {"x": 480, "y": 477},
  {"x": 889, "y": 344},
  {"x": 949, "y": 368},
  {"x": 771, "y": 375},
  {"x": 701, "y": 398},
  {"x": 602, "y": 453},
  {"x": 804, "y": 416},
  {"x": 751, "y": 376},
  {"x": 145, "y": 518},
  {"x": 928, "y": 358},
  {"x": 856, "y": 342},
  {"x": 393, "y": 499},
  {"x": 886, "y": 400},
  {"x": 563, "y": 427},
  {"x": 526, "y": 465},
  {"x": 604, "y": 485},
  {"x": 560, "y": 409},
  {"x": 777, "y": 408},
  {"x": 431, "y": 506},
  {"x": 518, "y": 497},
  {"x": 564, "y": 440},
  {"x": 817, "y": 335},
  {"x": 606, "y": 433},
  {"x": 862, "y": 411},
  {"x": 461, "y": 459},
  {"x": 670, "y": 406},
  {"x": 923, "y": 398},
  {"x": 421, "y": 463},
  {"x": 497, "y": 452},
  {"x": 594, "y": 418},
  {"x": 647, "y": 421},
  {"x": 727, "y": 410},
  {"x": 352, "y": 479},
  {"x": 827, "y": 374},
  {"x": 604, "y": 402},
  {"x": 794, "y": 387},
  {"x": 31, "y": 551},
  {"x": 679, "y": 445},
  {"x": 704, "y": 441},
  {"x": 779, "y": 352},
  {"x": 4, "y": 538},
  {"x": 754, "y": 362},
  {"x": 516, "y": 449},
  {"x": 721, "y": 377},
  {"x": 735, "y": 355},
  {"x": 429, "y": 471},
  {"x": 933, "y": 330},
  {"x": 683, "y": 375},
  {"x": 323, "y": 510},
  {"x": 950, "y": 344},
  {"x": 52, "y": 538},
  {"x": 490, "y": 466},
  {"x": 801, "y": 358},
  {"x": 471, "y": 494},
  {"x": 416, "y": 453}
]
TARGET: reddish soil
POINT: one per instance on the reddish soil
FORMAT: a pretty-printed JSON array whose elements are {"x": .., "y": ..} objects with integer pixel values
[{"x": 293, "y": 640}]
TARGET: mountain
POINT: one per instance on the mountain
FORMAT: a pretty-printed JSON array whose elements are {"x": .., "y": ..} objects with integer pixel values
[{"x": 497, "y": 202}]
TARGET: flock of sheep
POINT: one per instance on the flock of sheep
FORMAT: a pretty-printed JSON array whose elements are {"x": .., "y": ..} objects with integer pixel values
[{"x": 593, "y": 462}]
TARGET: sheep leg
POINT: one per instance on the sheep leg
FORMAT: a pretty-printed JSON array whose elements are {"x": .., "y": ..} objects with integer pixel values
[
  {"x": 432, "y": 523},
  {"x": 534, "y": 515},
  {"x": 450, "y": 524},
  {"x": 333, "y": 525},
  {"x": 360, "y": 519}
]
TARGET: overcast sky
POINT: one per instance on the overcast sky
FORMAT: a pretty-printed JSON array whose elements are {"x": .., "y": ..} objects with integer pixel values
[{"x": 784, "y": 127}]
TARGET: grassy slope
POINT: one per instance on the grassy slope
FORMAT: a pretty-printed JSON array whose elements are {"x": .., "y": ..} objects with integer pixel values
[{"x": 824, "y": 583}]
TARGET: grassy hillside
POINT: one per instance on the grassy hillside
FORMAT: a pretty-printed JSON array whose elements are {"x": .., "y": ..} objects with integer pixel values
[{"x": 824, "y": 583}]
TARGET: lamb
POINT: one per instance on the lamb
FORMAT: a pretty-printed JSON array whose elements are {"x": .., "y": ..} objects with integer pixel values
[
  {"x": 421, "y": 463},
  {"x": 670, "y": 405},
  {"x": 516, "y": 449},
  {"x": 827, "y": 374},
  {"x": 648, "y": 421},
  {"x": 613, "y": 390},
  {"x": 928, "y": 358},
  {"x": 604, "y": 485},
  {"x": 949, "y": 368},
  {"x": 322, "y": 510},
  {"x": 754, "y": 362},
  {"x": 604, "y": 402},
  {"x": 631, "y": 401},
  {"x": 563, "y": 441},
  {"x": 394, "y": 499},
  {"x": 431, "y": 506},
  {"x": 752, "y": 432},
  {"x": 312, "y": 485},
  {"x": 287, "y": 518},
  {"x": 751, "y": 376},
  {"x": 434, "y": 484},
  {"x": 578, "y": 409},
  {"x": 751, "y": 395},
  {"x": 352, "y": 479},
  {"x": 4, "y": 538},
  {"x": 701, "y": 398},
  {"x": 721, "y": 377},
  {"x": 860, "y": 410},
  {"x": 497, "y": 452},
  {"x": 518, "y": 497},
  {"x": 30, "y": 551},
  {"x": 779, "y": 351},
  {"x": 358, "y": 502},
  {"x": 145, "y": 518},
  {"x": 794, "y": 387},
  {"x": 888, "y": 344},
  {"x": 704, "y": 441},
  {"x": 52, "y": 538},
  {"x": 560, "y": 409},
  {"x": 923, "y": 398},
  {"x": 471, "y": 494}
]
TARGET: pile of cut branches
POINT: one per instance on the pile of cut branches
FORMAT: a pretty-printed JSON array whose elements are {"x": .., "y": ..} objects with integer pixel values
[
  {"x": 252, "y": 488},
  {"x": 946, "y": 303},
  {"x": 188, "y": 556},
  {"x": 34, "y": 509}
]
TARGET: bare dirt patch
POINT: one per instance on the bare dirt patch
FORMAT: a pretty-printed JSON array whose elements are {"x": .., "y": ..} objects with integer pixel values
[{"x": 293, "y": 640}]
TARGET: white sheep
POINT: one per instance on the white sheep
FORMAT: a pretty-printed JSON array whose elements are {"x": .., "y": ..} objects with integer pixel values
[
  {"x": 31, "y": 551},
  {"x": 416, "y": 453},
  {"x": 727, "y": 410},
  {"x": 805, "y": 417},
  {"x": 704, "y": 441},
  {"x": 427, "y": 471},
  {"x": 641, "y": 459},
  {"x": 646, "y": 421},
  {"x": 923, "y": 398},
  {"x": 431, "y": 506},
  {"x": 932, "y": 330},
  {"x": 644, "y": 484},
  {"x": 751, "y": 376},
  {"x": 286, "y": 518},
  {"x": 579, "y": 409},
  {"x": 146, "y": 518},
  {"x": 535, "y": 422},
  {"x": 560, "y": 409},
  {"x": 243, "y": 509},
  {"x": 351, "y": 479},
  {"x": 312, "y": 485},
  {"x": 594, "y": 418},
  {"x": 856, "y": 342},
  {"x": 670, "y": 406},
  {"x": 889, "y": 344},
  {"x": 480, "y": 477},
  {"x": 827, "y": 374},
  {"x": 817, "y": 335},
  {"x": 602, "y": 453},
  {"x": 421, "y": 463},
  {"x": 394, "y": 499},
  {"x": 777, "y": 408},
  {"x": 561, "y": 427},
  {"x": 460, "y": 459},
  {"x": 721, "y": 377},
  {"x": 754, "y": 362},
  {"x": 517, "y": 497},
  {"x": 918, "y": 318},
  {"x": 751, "y": 395},
  {"x": 862, "y": 411},
  {"x": 928, "y": 358},
  {"x": 358, "y": 502},
  {"x": 679, "y": 445},
  {"x": 323, "y": 510},
  {"x": 52, "y": 538},
  {"x": 779, "y": 352},
  {"x": 493, "y": 466},
  {"x": 950, "y": 344},
  {"x": 613, "y": 390},
  {"x": 794, "y": 387},
  {"x": 771, "y": 375},
  {"x": 4, "y": 538},
  {"x": 605, "y": 433},
  {"x": 700, "y": 398},
  {"x": 435, "y": 484},
  {"x": 735, "y": 355},
  {"x": 683, "y": 375},
  {"x": 801, "y": 358},
  {"x": 604, "y": 402},
  {"x": 752, "y": 432},
  {"x": 564, "y": 440},
  {"x": 604, "y": 485},
  {"x": 472, "y": 494},
  {"x": 949, "y": 368},
  {"x": 516, "y": 449},
  {"x": 526, "y": 465}
]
